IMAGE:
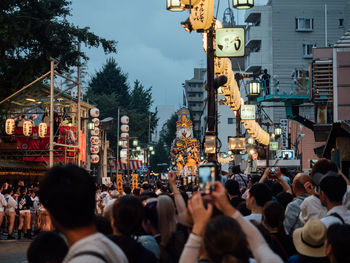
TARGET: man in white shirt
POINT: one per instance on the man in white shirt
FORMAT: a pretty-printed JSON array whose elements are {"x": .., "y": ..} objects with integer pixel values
[
  {"x": 258, "y": 196},
  {"x": 73, "y": 215},
  {"x": 332, "y": 190}
]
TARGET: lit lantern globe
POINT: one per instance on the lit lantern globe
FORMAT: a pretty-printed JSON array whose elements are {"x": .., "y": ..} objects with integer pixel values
[
  {"x": 95, "y": 140},
  {"x": 96, "y": 122},
  {"x": 27, "y": 128},
  {"x": 124, "y": 136},
  {"x": 94, "y": 149},
  {"x": 124, "y": 120},
  {"x": 95, "y": 158},
  {"x": 42, "y": 130},
  {"x": 124, "y": 128},
  {"x": 10, "y": 126},
  {"x": 94, "y": 112}
]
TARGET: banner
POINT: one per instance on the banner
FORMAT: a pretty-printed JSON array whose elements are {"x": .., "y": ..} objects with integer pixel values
[
  {"x": 284, "y": 134},
  {"x": 82, "y": 147}
]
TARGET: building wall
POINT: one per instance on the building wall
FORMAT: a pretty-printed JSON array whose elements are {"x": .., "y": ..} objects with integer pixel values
[{"x": 343, "y": 84}]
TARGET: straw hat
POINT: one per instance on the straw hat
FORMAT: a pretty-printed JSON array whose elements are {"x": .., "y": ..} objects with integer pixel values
[{"x": 309, "y": 239}]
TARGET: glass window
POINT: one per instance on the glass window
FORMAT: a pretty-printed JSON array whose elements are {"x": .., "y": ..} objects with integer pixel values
[
  {"x": 304, "y": 24},
  {"x": 307, "y": 50},
  {"x": 229, "y": 120}
]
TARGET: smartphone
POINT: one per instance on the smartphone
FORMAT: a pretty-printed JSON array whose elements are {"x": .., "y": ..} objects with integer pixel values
[
  {"x": 206, "y": 177},
  {"x": 273, "y": 170}
]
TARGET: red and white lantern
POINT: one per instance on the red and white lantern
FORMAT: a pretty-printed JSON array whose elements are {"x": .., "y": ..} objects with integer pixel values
[
  {"x": 96, "y": 121},
  {"x": 10, "y": 126},
  {"x": 94, "y": 112},
  {"x": 94, "y": 149},
  {"x": 95, "y": 140},
  {"x": 27, "y": 128},
  {"x": 95, "y": 132},
  {"x": 95, "y": 158},
  {"x": 42, "y": 130}
]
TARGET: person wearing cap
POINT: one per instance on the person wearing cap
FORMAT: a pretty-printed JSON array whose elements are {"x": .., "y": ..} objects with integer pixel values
[
  {"x": 311, "y": 206},
  {"x": 332, "y": 190},
  {"x": 309, "y": 242}
]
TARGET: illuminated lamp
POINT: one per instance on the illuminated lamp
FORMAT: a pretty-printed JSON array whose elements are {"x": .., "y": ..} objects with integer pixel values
[
  {"x": 27, "y": 128},
  {"x": 254, "y": 88},
  {"x": 10, "y": 126},
  {"x": 202, "y": 15},
  {"x": 278, "y": 131},
  {"x": 175, "y": 5},
  {"x": 42, "y": 129},
  {"x": 91, "y": 126},
  {"x": 242, "y": 4}
]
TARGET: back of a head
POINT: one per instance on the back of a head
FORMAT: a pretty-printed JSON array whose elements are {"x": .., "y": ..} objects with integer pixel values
[
  {"x": 232, "y": 187},
  {"x": 224, "y": 241},
  {"x": 339, "y": 237},
  {"x": 299, "y": 182},
  {"x": 128, "y": 215},
  {"x": 284, "y": 198},
  {"x": 47, "y": 247},
  {"x": 68, "y": 193},
  {"x": 261, "y": 193},
  {"x": 151, "y": 213},
  {"x": 323, "y": 166},
  {"x": 333, "y": 186},
  {"x": 166, "y": 218},
  {"x": 127, "y": 189},
  {"x": 273, "y": 214},
  {"x": 236, "y": 169}
]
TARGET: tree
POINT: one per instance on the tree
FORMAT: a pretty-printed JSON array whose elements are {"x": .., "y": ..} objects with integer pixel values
[
  {"x": 33, "y": 31},
  {"x": 161, "y": 156},
  {"x": 109, "y": 90},
  {"x": 168, "y": 132}
]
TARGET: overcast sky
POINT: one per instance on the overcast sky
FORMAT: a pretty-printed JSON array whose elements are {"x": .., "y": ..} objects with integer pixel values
[{"x": 152, "y": 45}]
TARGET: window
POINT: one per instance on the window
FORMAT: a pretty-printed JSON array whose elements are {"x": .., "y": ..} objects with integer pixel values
[
  {"x": 341, "y": 22},
  {"x": 304, "y": 24},
  {"x": 229, "y": 120},
  {"x": 307, "y": 50}
]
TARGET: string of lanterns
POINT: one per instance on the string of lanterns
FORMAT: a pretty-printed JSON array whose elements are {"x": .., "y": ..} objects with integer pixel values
[
  {"x": 95, "y": 139},
  {"x": 124, "y": 136}
]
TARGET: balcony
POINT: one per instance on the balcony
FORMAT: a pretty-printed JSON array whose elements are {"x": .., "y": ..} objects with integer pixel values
[{"x": 253, "y": 17}]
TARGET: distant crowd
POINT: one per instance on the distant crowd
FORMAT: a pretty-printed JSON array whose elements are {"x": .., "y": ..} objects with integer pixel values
[{"x": 273, "y": 217}]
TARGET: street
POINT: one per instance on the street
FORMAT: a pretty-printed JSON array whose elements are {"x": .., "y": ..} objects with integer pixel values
[{"x": 13, "y": 251}]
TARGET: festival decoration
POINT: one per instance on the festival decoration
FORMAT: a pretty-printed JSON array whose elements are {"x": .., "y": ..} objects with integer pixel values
[
  {"x": 95, "y": 158},
  {"x": 202, "y": 15},
  {"x": 27, "y": 128},
  {"x": 94, "y": 112},
  {"x": 185, "y": 149},
  {"x": 124, "y": 128},
  {"x": 95, "y": 131},
  {"x": 95, "y": 140},
  {"x": 124, "y": 119},
  {"x": 94, "y": 149},
  {"x": 42, "y": 130},
  {"x": 96, "y": 122},
  {"x": 10, "y": 126}
]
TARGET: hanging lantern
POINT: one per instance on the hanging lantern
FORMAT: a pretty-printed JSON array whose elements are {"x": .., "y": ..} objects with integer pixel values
[
  {"x": 278, "y": 131},
  {"x": 124, "y": 153},
  {"x": 251, "y": 140},
  {"x": 254, "y": 88},
  {"x": 124, "y": 128},
  {"x": 94, "y": 149},
  {"x": 124, "y": 136},
  {"x": 10, "y": 126},
  {"x": 42, "y": 129},
  {"x": 91, "y": 126},
  {"x": 94, "y": 112},
  {"x": 124, "y": 160},
  {"x": 95, "y": 140},
  {"x": 124, "y": 120},
  {"x": 202, "y": 15},
  {"x": 27, "y": 128},
  {"x": 243, "y": 4},
  {"x": 96, "y": 121},
  {"x": 175, "y": 6},
  {"x": 95, "y": 158},
  {"x": 95, "y": 132},
  {"x": 190, "y": 2}
]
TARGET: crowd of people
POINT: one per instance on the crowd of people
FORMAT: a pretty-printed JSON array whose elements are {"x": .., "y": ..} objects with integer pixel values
[{"x": 270, "y": 218}]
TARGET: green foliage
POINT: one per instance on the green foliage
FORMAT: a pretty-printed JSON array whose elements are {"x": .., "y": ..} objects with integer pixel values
[
  {"x": 33, "y": 31},
  {"x": 168, "y": 132},
  {"x": 109, "y": 90},
  {"x": 161, "y": 156}
]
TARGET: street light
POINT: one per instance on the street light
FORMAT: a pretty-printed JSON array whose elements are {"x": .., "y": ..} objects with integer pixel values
[
  {"x": 150, "y": 148},
  {"x": 152, "y": 152},
  {"x": 91, "y": 126},
  {"x": 135, "y": 142},
  {"x": 243, "y": 4},
  {"x": 175, "y": 6},
  {"x": 138, "y": 148},
  {"x": 278, "y": 131},
  {"x": 254, "y": 88},
  {"x": 251, "y": 140}
]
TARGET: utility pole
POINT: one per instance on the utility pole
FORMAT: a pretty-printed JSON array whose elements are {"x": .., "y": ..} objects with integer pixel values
[
  {"x": 118, "y": 141},
  {"x": 52, "y": 68},
  {"x": 78, "y": 113}
]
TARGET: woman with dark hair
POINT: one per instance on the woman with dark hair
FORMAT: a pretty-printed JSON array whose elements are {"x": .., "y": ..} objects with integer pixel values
[
  {"x": 127, "y": 216},
  {"x": 273, "y": 216}
]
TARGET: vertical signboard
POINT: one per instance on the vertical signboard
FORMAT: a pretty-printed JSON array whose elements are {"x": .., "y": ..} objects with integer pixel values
[{"x": 284, "y": 134}]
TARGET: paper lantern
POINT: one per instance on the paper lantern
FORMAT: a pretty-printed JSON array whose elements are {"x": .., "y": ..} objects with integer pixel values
[
  {"x": 94, "y": 149},
  {"x": 202, "y": 15},
  {"x": 42, "y": 129},
  {"x": 95, "y": 132},
  {"x": 27, "y": 128},
  {"x": 95, "y": 140},
  {"x": 124, "y": 128},
  {"x": 124, "y": 136},
  {"x": 10, "y": 126},
  {"x": 242, "y": 4},
  {"x": 94, "y": 112},
  {"x": 124, "y": 153},
  {"x": 96, "y": 121},
  {"x": 124, "y": 160},
  {"x": 124, "y": 120},
  {"x": 95, "y": 158}
]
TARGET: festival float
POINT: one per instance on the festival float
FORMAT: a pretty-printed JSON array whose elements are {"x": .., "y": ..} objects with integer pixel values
[{"x": 185, "y": 149}]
